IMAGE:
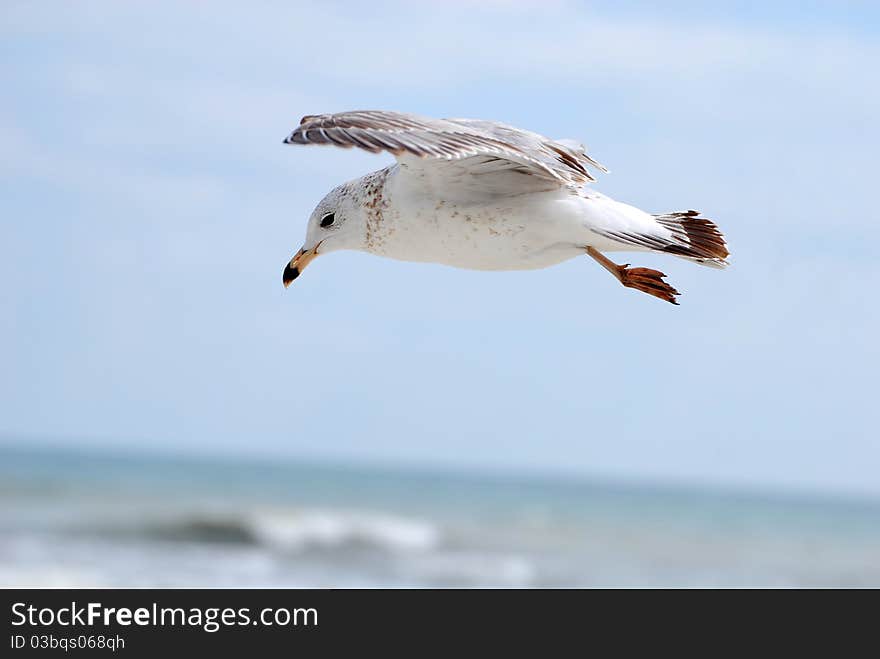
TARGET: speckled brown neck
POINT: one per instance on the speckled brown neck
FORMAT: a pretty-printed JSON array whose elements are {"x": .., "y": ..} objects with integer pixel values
[{"x": 372, "y": 199}]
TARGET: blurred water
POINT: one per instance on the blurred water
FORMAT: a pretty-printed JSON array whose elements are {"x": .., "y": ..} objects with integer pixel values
[{"x": 89, "y": 519}]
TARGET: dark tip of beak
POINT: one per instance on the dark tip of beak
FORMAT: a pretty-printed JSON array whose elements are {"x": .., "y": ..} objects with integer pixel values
[{"x": 289, "y": 275}]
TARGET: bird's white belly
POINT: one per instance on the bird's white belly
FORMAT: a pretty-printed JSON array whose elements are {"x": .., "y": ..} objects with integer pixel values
[{"x": 517, "y": 233}]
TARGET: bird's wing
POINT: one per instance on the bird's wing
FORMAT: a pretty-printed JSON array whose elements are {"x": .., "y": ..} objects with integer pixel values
[{"x": 476, "y": 156}]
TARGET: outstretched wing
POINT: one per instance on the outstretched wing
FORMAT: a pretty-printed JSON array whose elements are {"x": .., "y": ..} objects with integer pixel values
[{"x": 478, "y": 155}]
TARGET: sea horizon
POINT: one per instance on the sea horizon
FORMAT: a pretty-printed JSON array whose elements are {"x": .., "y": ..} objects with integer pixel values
[{"x": 101, "y": 450}]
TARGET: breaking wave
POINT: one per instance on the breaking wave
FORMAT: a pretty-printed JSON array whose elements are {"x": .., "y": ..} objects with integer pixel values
[{"x": 295, "y": 531}]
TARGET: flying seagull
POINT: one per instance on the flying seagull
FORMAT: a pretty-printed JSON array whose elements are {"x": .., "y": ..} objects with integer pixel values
[{"x": 486, "y": 196}]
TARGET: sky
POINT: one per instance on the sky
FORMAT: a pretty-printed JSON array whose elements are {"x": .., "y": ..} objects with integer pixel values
[{"x": 148, "y": 207}]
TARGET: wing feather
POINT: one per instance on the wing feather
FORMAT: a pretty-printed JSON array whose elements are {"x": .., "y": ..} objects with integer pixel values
[{"x": 489, "y": 147}]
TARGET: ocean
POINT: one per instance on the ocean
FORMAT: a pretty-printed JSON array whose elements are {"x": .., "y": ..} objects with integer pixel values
[{"x": 93, "y": 519}]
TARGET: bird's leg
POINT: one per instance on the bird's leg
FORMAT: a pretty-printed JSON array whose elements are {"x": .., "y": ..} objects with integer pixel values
[{"x": 642, "y": 279}]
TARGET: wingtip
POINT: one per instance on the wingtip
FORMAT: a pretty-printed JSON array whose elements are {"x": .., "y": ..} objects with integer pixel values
[{"x": 597, "y": 165}]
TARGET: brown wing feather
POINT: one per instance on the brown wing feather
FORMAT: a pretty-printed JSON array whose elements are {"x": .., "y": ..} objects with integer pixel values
[{"x": 446, "y": 139}]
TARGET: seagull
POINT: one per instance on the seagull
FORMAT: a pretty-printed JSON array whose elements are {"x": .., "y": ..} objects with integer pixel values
[{"x": 483, "y": 195}]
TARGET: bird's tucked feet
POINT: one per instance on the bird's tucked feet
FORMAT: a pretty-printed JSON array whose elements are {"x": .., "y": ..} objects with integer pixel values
[{"x": 645, "y": 280}]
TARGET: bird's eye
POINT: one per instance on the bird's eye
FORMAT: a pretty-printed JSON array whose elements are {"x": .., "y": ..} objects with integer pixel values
[{"x": 327, "y": 220}]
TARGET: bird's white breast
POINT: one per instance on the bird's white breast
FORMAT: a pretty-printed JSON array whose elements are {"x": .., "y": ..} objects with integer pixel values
[{"x": 517, "y": 232}]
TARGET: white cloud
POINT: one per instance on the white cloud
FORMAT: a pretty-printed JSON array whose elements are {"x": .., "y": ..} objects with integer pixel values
[{"x": 417, "y": 44}]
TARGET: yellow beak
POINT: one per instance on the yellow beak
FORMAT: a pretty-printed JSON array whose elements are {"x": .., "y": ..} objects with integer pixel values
[{"x": 298, "y": 263}]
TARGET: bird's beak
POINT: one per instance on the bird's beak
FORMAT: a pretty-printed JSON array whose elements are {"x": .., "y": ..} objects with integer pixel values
[{"x": 298, "y": 263}]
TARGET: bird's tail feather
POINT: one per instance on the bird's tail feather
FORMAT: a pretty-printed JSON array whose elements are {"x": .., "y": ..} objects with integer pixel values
[{"x": 695, "y": 238}]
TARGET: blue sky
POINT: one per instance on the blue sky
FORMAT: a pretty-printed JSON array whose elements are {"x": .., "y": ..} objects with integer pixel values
[{"x": 148, "y": 208}]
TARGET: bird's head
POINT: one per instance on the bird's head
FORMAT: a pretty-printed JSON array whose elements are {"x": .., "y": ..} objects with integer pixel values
[{"x": 338, "y": 222}]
